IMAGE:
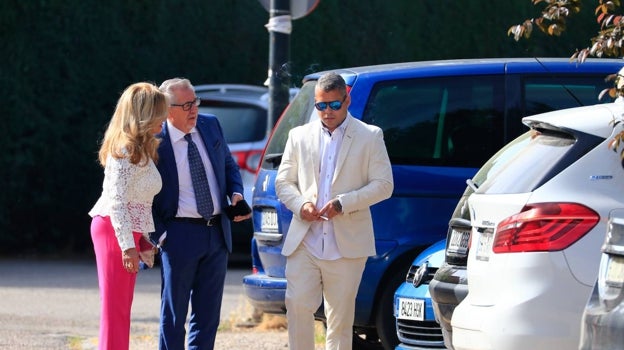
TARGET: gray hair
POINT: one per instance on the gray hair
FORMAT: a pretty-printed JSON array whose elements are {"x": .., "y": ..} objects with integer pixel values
[
  {"x": 332, "y": 81},
  {"x": 170, "y": 85}
]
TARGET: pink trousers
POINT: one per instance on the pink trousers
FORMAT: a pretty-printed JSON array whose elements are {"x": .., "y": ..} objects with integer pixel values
[{"x": 116, "y": 286}]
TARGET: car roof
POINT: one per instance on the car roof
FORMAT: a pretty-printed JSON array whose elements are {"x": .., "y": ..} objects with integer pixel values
[
  {"x": 595, "y": 120},
  {"x": 250, "y": 94},
  {"x": 233, "y": 89},
  {"x": 254, "y": 94},
  {"x": 473, "y": 66}
]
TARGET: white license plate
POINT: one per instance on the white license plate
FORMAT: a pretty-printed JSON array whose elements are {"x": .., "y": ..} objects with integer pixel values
[
  {"x": 615, "y": 271},
  {"x": 411, "y": 309},
  {"x": 459, "y": 242},
  {"x": 484, "y": 246},
  {"x": 268, "y": 221}
]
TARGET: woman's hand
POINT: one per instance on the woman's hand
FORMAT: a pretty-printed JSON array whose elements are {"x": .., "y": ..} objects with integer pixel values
[{"x": 130, "y": 260}]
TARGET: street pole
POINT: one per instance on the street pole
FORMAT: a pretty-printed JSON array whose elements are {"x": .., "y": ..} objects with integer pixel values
[{"x": 279, "y": 26}]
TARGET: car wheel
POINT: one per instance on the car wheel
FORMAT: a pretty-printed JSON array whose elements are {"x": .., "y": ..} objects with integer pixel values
[{"x": 384, "y": 317}]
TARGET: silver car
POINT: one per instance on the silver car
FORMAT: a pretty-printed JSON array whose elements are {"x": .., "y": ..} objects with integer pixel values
[
  {"x": 242, "y": 111},
  {"x": 603, "y": 319}
]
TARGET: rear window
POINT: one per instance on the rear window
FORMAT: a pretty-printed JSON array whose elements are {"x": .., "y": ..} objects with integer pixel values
[
  {"x": 527, "y": 162},
  {"x": 441, "y": 121},
  {"x": 240, "y": 123}
]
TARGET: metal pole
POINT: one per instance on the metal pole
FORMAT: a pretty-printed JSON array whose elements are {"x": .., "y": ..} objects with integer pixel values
[{"x": 279, "y": 56}]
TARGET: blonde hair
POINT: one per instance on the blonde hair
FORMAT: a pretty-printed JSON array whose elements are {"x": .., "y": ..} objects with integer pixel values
[{"x": 140, "y": 108}]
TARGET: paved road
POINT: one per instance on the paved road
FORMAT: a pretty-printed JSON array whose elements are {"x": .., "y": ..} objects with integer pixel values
[{"x": 55, "y": 305}]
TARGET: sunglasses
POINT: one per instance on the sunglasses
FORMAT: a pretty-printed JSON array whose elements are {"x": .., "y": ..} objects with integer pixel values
[{"x": 333, "y": 105}]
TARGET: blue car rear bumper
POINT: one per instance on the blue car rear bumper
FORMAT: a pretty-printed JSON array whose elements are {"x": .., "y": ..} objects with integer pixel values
[{"x": 266, "y": 293}]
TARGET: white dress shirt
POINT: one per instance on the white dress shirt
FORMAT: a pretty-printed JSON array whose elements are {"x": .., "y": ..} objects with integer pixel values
[
  {"x": 321, "y": 240},
  {"x": 187, "y": 207}
]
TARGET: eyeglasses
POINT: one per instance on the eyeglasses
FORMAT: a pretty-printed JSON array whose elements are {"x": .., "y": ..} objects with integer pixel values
[
  {"x": 188, "y": 105},
  {"x": 333, "y": 105}
]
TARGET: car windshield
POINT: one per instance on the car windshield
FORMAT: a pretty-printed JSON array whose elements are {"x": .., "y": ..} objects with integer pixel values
[
  {"x": 239, "y": 123},
  {"x": 299, "y": 112}
]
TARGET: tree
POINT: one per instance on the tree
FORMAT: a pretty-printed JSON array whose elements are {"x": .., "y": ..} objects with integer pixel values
[
  {"x": 609, "y": 42},
  {"x": 553, "y": 21}
]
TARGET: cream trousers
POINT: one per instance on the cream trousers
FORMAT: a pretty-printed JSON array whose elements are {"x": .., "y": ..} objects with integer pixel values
[{"x": 311, "y": 281}]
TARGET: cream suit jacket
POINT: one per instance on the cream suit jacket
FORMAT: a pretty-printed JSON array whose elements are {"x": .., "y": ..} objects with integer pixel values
[{"x": 363, "y": 177}]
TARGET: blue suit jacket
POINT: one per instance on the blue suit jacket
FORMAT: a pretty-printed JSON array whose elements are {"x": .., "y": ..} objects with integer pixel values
[{"x": 226, "y": 170}]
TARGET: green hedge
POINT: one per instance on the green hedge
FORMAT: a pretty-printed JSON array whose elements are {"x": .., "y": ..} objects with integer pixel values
[{"x": 64, "y": 64}]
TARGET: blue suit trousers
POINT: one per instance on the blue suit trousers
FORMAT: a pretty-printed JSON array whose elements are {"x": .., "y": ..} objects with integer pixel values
[{"x": 194, "y": 263}]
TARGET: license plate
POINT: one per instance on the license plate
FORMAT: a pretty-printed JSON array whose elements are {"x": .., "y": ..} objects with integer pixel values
[
  {"x": 268, "y": 221},
  {"x": 411, "y": 309},
  {"x": 459, "y": 242},
  {"x": 615, "y": 271},
  {"x": 484, "y": 246}
]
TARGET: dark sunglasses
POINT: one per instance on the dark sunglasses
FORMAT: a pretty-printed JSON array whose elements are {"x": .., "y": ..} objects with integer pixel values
[{"x": 333, "y": 105}]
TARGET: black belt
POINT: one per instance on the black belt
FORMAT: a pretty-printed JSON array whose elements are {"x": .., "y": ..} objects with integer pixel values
[{"x": 215, "y": 220}]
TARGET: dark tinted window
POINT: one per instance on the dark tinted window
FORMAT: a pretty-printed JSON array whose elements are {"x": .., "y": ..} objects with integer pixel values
[
  {"x": 240, "y": 123},
  {"x": 446, "y": 121},
  {"x": 545, "y": 94}
]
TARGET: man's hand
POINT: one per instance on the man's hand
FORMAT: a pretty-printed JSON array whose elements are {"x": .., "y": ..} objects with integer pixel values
[
  {"x": 235, "y": 199},
  {"x": 331, "y": 209},
  {"x": 308, "y": 212}
]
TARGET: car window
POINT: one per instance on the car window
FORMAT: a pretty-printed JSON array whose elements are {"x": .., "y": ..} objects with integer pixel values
[
  {"x": 526, "y": 163},
  {"x": 545, "y": 94},
  {"x": 501, "y": 158},
  {"x": 443, "y": 121},
  {"x": 240, "y": 123}
]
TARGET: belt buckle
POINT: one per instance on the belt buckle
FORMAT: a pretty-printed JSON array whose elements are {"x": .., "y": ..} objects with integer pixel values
[{"x": 210, "y": 222}]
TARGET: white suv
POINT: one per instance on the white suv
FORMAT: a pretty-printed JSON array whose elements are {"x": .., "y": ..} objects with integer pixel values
[{"x": 538, "y": 222}]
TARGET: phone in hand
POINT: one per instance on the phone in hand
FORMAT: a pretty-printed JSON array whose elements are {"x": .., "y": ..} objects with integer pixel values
[{"x": 240, "y": 209}]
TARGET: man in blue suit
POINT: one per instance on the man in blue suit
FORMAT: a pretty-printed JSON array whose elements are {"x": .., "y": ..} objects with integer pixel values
[{"x": 192, "y": 229}]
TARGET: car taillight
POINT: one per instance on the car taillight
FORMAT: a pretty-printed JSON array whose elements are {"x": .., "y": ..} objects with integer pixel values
[
  {"x": 544, "y": 227},
  {"x": 248, "y": 160}
]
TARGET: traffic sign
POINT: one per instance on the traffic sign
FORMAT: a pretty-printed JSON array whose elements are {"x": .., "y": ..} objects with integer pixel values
[{"x": 298, "y": 8}]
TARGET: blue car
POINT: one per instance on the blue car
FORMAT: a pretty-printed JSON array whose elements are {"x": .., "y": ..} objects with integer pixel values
[
  {"x": 415, "y": 320},
  {"x": 441, "y": 121}
]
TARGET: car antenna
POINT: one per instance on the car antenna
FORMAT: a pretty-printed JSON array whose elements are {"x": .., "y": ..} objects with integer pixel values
[{"x": 562, "y": 85}]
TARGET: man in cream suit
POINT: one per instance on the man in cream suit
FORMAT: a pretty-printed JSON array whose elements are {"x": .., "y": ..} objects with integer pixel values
[{"x": 333, "y": 169}]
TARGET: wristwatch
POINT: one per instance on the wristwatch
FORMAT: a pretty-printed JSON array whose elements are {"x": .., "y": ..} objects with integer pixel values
[{"x": 337, "y": 205}]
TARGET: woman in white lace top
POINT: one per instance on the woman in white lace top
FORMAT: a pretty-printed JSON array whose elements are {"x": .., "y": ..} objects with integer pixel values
[{"x": 122, "y": 216}]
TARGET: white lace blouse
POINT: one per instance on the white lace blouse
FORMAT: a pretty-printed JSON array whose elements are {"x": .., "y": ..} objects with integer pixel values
[{"x": 127, "y": 194}]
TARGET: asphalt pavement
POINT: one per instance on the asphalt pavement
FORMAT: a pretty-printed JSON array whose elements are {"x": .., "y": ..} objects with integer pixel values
[{"x": 54, "y": 304}]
